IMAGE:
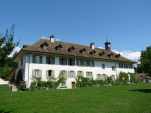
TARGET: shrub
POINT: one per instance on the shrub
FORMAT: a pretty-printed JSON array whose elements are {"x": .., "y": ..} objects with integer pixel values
[
  {"x": 83, "y": 82},
  {"x": 134, "y": 78},
  {"x": 123, "y": 78}
]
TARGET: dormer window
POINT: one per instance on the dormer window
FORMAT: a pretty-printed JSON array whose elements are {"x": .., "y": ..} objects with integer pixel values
[
  {"x": 71, "y": 48},
  {"x": 92, "y": 52},
  {"x": 117, "y": 56},
  {"x": 101, "y": 53},
  {"x": 44, "y": 45},
  {"x": 82, "y": 50},
  {"x": 110, "y": 54},
  {"x": 59, "y": 47}
]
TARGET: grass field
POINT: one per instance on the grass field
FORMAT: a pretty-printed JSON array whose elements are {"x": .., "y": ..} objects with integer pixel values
[{"x": 115, "y": 99}]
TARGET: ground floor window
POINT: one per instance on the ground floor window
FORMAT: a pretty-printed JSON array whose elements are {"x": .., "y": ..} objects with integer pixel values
[
  {"x": 80, "y": 74},
  {"x": 71, "y": 74},
  {"x": 101, "y": 77},
  {"x": 50, "y": 74},
  {"x": 63, "y": 74},
  {"x": 89, "y": 75},
  {"x": 37, "y": 74}
]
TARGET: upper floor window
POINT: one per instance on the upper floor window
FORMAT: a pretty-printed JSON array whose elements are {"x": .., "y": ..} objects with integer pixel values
[
  {"x": 63, "y": 61},
  {"x": 50, "y": 60},
  {"x": 113, "y": 68},
  {"x": 71, "y": 61},
  {"x": 125, "y": 65},
  {"x": 40, "y": 59},
  {"x": 103, "y": 66},
  {"x": 36, "y": 59}
]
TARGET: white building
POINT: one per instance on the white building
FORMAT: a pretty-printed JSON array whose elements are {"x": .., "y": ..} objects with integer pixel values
[{"x": 49, "y": 58}]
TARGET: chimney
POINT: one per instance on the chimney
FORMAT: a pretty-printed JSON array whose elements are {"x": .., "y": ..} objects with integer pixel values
[
  {"x": 107, "y": 46},
  {"x": 92, "y": 45},
  {"x": 52, "y": 38}
]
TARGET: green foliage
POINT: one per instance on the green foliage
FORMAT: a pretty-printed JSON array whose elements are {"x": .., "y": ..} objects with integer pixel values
[
  {"x": 123, "y": 77},
  {"x": 7, "y": 44},
  {"x": 145, "y": 66},
  {"x": 43, "y": 84},
  {"x": 83, "y": 82},
  {"x": 134, "y": 78}
]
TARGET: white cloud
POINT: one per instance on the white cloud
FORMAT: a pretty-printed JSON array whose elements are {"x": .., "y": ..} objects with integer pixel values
[
  {"x": 15, "y": 50},
  {"x": 133, "y": 55}
]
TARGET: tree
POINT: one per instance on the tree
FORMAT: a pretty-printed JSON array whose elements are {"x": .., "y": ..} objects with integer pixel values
[
  {"x": 145, "y": 65},
  {"x": 7, "y": 44}
]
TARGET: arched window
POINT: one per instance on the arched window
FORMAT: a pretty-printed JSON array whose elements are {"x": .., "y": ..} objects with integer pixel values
[
  {"x": 80, "y": 74},
  {"x": 71, "y": 74},
  {"x": 50, "y": 74},
  {"x": 63, "y": 74},
  {"x": 36, "y": 74}
]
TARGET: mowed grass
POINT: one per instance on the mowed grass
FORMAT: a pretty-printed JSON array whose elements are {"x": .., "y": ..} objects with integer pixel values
[{"x": 115, "y": 99}]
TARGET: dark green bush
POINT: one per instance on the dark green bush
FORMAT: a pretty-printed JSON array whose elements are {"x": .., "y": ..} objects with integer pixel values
[{"x": 123, "y": 78}]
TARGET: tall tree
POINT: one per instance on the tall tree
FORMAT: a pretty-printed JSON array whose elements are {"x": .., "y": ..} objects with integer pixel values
[
  {"x": 145, "y": 60},
  {"x": 7, "y": 45}
]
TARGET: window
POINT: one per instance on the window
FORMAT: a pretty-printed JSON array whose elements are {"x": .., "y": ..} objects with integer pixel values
[
  {"x": 37, "y": 73},
  {"x": 63, "y": 74},
  {"x": 71, "y": 74},
  {"x": 101, "y": 77},
  {"x": 71, "y": 61},
  {"x": 121, "y": 65},
  {"x": 50, "y": 74},
  {"x": 40, "y": 58},
  {"x": 89, "y": 75},
  {"x": 103, "y": 66},
  {"x": 85, "y": 62},
  {"x": 50, "y": 60},
  {"x": 80, "y": 73},
  {"x": 113, "y": 68},
  {"x": 36, "y": 59},
  {"x": 63, "y": 61}
]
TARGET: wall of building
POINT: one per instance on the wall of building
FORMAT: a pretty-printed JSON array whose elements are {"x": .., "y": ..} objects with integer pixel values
[{"x": 97, "y": 69}]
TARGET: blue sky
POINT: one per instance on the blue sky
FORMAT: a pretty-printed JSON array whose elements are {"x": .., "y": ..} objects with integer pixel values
[{"x": 127, "y": 23}]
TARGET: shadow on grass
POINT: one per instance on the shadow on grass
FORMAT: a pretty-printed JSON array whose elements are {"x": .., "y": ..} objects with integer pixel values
[
  {"x": 2, "y": 111},
  {"x": 141, "y": 90}
]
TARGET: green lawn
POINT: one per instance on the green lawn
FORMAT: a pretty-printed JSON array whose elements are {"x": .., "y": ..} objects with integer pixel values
[{"x": 115, "y": 99}]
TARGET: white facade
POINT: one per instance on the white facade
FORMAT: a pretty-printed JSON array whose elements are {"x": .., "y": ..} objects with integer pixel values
[{"x": 109, "y": 68}]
